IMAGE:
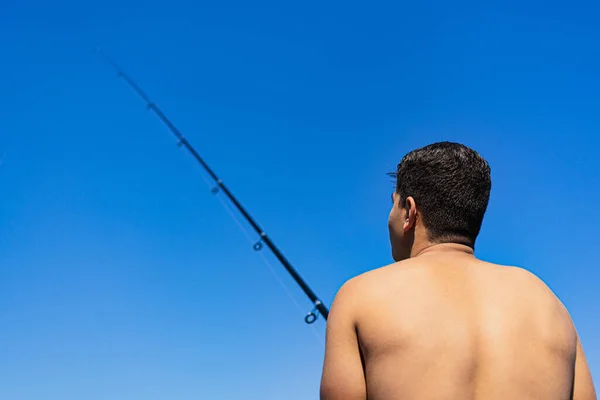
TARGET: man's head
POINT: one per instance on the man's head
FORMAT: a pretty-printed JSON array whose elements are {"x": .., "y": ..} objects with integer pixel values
[{"x": 442, "y": 192}]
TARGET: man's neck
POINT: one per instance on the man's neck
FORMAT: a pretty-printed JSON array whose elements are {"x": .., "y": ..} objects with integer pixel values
[{"x": 440, "y": 248}]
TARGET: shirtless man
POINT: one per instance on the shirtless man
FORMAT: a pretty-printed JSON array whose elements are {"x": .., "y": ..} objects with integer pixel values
[{"x": 439, "y": 323}]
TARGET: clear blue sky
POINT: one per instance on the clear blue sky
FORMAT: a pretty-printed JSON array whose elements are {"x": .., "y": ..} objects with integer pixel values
[{"x": 122, "y": 277}]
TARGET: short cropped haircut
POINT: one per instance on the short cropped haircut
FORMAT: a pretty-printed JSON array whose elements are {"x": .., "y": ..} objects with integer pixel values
[{"x": 451, "y": 185}]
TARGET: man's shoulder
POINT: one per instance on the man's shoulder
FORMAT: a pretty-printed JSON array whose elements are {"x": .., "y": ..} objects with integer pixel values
[
  {"x": 536, "y": 292},
  {"x": 373, "y": 277},
  {"x": 524, "y": 278},
  {"x": 372, "y": 282},
  {"x": 356, "y": 296}
]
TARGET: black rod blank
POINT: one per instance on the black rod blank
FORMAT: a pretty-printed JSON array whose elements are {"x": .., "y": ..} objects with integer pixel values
[{"x": 182, "y": 141}]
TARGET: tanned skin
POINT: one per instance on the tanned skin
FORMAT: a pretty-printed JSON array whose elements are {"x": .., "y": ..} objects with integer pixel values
[{"x": 441, "y": 324}]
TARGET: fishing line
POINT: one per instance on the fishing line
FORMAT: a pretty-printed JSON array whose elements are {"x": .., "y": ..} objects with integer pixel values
[
  {"x": 264, "y": 239},
  {"x": 263, "y": 257}
]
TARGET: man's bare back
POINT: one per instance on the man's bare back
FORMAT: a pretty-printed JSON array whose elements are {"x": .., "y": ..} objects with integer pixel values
[
  {"x": 439, "y": 323},
  {"x": 445, "y": 325}
]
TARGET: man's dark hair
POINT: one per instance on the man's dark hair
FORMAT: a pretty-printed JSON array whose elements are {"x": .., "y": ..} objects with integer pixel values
[{"x": 451, "y": 186}]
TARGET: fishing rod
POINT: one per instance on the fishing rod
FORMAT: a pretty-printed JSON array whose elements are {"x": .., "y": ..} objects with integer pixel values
[{"x": 319, "y": 308}]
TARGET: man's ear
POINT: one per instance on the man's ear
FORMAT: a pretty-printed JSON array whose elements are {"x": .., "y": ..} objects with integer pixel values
[{"x": 410, "y": 214}]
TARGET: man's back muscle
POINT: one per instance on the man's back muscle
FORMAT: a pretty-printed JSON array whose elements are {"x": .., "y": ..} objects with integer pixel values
[{"x": 452, "y": 327}]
